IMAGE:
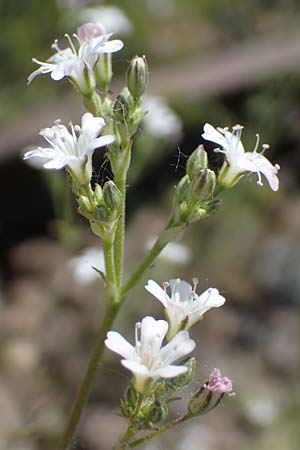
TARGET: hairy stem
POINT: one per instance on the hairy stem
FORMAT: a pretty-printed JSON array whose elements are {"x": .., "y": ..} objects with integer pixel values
[{"x": 120, "y": 231}]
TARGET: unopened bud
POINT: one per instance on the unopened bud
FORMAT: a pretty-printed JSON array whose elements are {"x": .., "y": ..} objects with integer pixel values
[
  {"x": 98, "y": 194},
  {"x": 197, "y": 161},
  {"x": 121, "y": 108},
  {"x": 159, "y": 412},
  {"x": 197, "y": 214},
  {"x": 183, "y": 189},
  {"x": 103, "y": 70},
  {"x": 102, "y": 214},
  {"x": 137, "y": 76},
  {"x": 200, "y": 403},
  {"x": 85, "y": 204},
  {"x": 112, "y": 196},
  {"x": 204, "y": 184}
]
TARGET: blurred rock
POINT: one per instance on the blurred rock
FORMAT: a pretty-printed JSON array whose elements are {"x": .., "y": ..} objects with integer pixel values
[
  {"x": 36, "y": 256},
  {"x": 27, "y": 305},
  {"x": 21, "y": 356}
]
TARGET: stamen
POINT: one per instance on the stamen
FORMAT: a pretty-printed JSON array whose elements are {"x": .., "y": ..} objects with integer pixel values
[
  {"x": 77, "y": 38},
  {"x": 259, "y": 181},
  {"x": 55, "y": 46},
  {"x": 264, "y": 148},
  {"x": 71, "y": 44},
  {"x": 256, "y": 143},
  {"x": 195, "y": 283},
  {"x": 218, "y": 150},
  {"x": 166, "y": 285}
]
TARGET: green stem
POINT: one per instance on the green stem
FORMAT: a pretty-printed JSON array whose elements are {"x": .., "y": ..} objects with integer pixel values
[
  {"x": 123, "y": 442},
  {"x": 120, "y": 231},
  {"x": 166, "y": 427},
  {"x": 110, "y": 271},
  {"x": 148, "y": 260},
  {"x": 170, "y": 233},
  {"x": 88, "y": 380}
]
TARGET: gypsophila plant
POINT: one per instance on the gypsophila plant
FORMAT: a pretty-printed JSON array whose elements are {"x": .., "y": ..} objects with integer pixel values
[{"x": 159, "y": 370}]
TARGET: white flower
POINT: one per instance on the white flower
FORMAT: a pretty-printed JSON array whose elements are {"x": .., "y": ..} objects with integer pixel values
[
  {"x": 148, "y": 360},
  {"x": 111, "y": 17},
  {"x": 71, "y": 149},
  {"x": 184, "y": 308},
  {"x": 83, "y": 266},
  {"x": 238, "y": 160},
  {"x": 78, "y": 64},
  {"x": 161, "y": 120}
]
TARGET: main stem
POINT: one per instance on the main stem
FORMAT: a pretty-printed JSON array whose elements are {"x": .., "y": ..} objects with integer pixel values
[
  {"x": 120, "y": 231},
  {"x": 88, "y": 380}
]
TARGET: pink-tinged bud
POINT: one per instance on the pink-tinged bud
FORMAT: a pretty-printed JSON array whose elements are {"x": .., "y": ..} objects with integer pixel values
[
  {"x": 217, "y": 383},
  {"x": 210, "y": 394}
]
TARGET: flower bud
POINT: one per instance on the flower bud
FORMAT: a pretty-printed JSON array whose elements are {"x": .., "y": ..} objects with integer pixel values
[
  {"x": 112, "y": 196},
  {"x": 183, "y": 189},
  {"x": 85, "y": 204},
  {"x": 196, "y": 162},
  {"x": 210, "y": 394},
  {"x": 121, "y": 108},
  {"x": 102, "y": 214},
  {"x": 197, "y": 214},
  {"x": 204, "y": 185},
  {"x": 137, "y": 76},
  {"x": 159, "y": 412},
  {"x": 200, "y": 402},
  {"x": 103, "y": 70},
  {"x": 98, "y": 194}
]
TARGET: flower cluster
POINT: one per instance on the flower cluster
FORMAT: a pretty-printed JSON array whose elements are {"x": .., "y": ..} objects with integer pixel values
[{"x": 159, "y": 371}]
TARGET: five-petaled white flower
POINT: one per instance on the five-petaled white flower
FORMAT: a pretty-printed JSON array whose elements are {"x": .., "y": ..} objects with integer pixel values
[
  {"x": 78, "y": 64},
  {"x": 237, "y": 160},
  {"x": 72, "y": 149},
  {"x": 148, "y": 360},
  {"x": 184, "y": 308}
]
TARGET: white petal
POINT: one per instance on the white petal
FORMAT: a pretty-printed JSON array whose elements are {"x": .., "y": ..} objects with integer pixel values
[
  {"x": 210, "y": 298},
  {"x": 180, "y": 290},
  {"x": 58, "y": 73},
  {"x": 170, "y": 371},
  {"x": 157, "y": 291},
  {"x": 102, "y": 141},
  {"x": 116, "y": 343},
  {"x": 91, "y": 126},
  {"x": 59, "y": 162},
  {"x": 181, "y": 345},
  {"x": 152, "y": 334},
  {"x": 255, "y": 162},
  {"x": 136, "y": 368},
  {"x": 213, "y": 135},
  {"x": 110, "y": 46}
]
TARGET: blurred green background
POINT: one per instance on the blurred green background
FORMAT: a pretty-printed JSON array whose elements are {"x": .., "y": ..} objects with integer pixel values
[{"x": 217, "y": 61}]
